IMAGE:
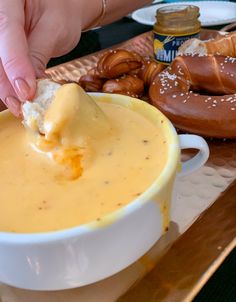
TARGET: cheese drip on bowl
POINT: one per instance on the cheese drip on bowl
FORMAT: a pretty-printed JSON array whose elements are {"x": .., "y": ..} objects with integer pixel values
[{"x": 67, "y": 128}]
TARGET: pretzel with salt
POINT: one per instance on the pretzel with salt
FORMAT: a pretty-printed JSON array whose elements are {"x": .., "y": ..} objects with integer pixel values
[{"x": 198, "y": 94}]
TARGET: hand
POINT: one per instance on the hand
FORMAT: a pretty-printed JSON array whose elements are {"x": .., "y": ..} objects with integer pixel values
[{"x": 32, "y": 32}]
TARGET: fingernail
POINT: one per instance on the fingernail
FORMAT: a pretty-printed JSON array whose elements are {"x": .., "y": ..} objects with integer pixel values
[
  {"x": 22, "y": 89},
  {"x": 13, "y": 105}
]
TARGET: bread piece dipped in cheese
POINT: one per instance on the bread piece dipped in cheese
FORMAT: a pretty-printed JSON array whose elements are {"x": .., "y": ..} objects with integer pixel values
[
  {"x": 64, "y": 111},
  {"x": 62, "y": 119}
]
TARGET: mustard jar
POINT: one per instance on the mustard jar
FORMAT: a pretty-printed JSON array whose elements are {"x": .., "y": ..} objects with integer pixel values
[{"x": 174, "y": 25}]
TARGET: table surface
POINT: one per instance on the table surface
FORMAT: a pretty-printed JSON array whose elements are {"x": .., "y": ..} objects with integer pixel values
[{"x": 222, "y": 285}]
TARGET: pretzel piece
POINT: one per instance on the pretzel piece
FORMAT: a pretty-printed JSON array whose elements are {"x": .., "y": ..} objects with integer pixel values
[{"x": 210, "y": 114}]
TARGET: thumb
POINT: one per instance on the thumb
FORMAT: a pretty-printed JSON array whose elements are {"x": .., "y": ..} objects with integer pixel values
[
  {"x": 50, "y": 38},
  {"x": 14, "y": 49},
  {"x": 41, "y": 45}
]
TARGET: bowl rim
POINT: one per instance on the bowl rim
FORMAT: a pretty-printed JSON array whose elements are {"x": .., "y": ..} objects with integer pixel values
[{"x": 169, "y": 169}]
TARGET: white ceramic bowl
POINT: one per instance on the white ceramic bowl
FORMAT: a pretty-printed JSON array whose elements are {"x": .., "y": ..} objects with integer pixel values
[{"x": 88, "y": 253}]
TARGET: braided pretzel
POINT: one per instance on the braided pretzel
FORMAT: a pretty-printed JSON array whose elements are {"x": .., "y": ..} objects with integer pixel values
[
  {"x": 116, "y": 63},
  {"x": 149, "y": 70},
  {"x": 129, "y": 85},
  {"x": 121, "y": 71}
]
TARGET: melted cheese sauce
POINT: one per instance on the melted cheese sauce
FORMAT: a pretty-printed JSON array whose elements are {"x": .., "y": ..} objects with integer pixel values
[
  {"x": 34, "y": 198},
  {"x": 73, "y": 118},
  {"x": 72, "y": 125}
]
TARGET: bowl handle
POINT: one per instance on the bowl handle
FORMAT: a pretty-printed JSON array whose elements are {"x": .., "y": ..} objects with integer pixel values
[{"x": 187, "y": 141}]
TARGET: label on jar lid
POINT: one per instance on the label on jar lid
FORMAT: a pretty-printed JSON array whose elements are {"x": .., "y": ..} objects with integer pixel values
[{"x": 166, "y": 46}]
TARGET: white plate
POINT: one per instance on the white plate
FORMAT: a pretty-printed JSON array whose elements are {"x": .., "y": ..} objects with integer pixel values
[{"x": 211, "y": 12}]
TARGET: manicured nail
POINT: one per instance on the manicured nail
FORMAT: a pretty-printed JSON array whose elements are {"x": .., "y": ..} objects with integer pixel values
[
  {"x": 22, "y": 89},
  {"x": 14, "y": 105}
]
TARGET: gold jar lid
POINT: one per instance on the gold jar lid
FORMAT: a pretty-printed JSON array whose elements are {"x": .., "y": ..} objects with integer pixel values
[
  {"x": 178, "y": 18},
  {"x": 178, "y": 12}
]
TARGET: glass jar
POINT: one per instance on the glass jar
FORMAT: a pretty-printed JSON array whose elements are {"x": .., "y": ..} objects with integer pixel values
[{"x": 175, "y": 24}]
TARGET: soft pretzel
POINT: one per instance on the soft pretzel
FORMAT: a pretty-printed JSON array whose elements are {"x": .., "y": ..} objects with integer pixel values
[
  {"x": 116, "y": 63},
  {"x": 121, "y": 71},
  {"x": 128, "y": 85},
  {"x": 92, "y": 83},
  {"x": 149, "y": 70},
  {"x": 210, "y": 115},
  {"x": 224, "y": 45}
]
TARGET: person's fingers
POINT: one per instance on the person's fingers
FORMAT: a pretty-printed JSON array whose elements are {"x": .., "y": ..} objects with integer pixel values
[
  {"x": 8, "y": 95},
  {"x": 39, "y": 59},
  {"x": 13, "y": 105},
  {"x": 49, "y": 38},
  {"x": 41, "y": 46},
  {"x": 14, "y": 50}
]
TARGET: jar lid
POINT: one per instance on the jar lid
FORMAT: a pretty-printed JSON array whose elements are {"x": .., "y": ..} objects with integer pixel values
[{"x": 178, "y": 11}]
